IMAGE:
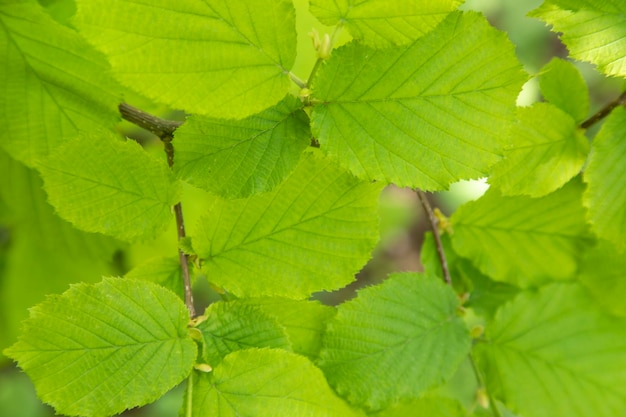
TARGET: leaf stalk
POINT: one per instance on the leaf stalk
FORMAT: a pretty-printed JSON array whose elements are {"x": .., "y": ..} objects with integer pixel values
[{"x": 435, "y": 229}]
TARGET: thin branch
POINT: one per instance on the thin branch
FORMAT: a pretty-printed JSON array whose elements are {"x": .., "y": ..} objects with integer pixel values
[
  {"x": 160, "y": 127},
  {"x": 164, "y": 129},
  {"x": 620, "y": 101},
  {"x": 433, "y": 225}
]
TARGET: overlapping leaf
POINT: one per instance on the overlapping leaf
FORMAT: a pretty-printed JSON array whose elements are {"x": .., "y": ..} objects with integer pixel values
[
  {"x": 423, "y": 115},
  {"x": 313, "y": 232},
  {"x": 219, "y": 58},
  {"x": 431, "y": 406},
  {"x": 603, "y": 272},
  {"x": 238, "y": 158},
  {"x": 99, "y": 349},
  {"x": 548, "y": 150},
  {"x": 592, "y": 31},
  {"x": 564, "y": 86},
  {"x": 44, "y": 253},
  {"x": 265, "y": 383},
  {"x": 523, "y": 241},
  {"x": 233, "y": 326},
  {"x": 606, "y": 179},
  {"x": 304, "y": 321},
  {"x": 162, "y": 271},
  {"x": 394, "y": 341},
  {"x": 384, "y": 22},
  {"x": 557, "y": 348},
  {"x": 103, "y": 184},
  {"x": 54, "y": 84}
]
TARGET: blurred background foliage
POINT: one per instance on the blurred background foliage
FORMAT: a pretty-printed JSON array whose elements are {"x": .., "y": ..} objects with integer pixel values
[{"x": 31, "y": 267}]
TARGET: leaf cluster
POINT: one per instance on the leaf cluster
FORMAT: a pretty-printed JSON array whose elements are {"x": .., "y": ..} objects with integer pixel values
[{"x": 291, "y": 169}]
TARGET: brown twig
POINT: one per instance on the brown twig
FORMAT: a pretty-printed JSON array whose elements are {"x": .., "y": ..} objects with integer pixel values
[
  {"x": 604, "y": 111},
  {"x": 433, "y": 225},
  {"x": 164, "y": 129}
]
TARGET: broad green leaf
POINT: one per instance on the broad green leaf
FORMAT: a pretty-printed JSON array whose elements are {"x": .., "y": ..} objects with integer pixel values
[
  {"x": 606, "y": 180},
  {"x": 548, "y": 150},
  {"x": 422, "y": 115},
  {"x": 384, "y": 22},
  {"x": 564, "y": 86},
  {"x": 312, "y": 233},
  {"x": 304, "y": 321},
  {"x": 163, "y": 271},
  {"x": 593, "y": 31},
  {"x": 521, "y": 240},
  {"x": 394, "y": 341},
  {"x": 603, "y": 272},
  {"x": 99, "y": 349},
  {"x": 429, "y": 406},
  {"x": 554, "y": 353},
  {"x": 238, "y": 158},
  {"x": 235, "y": 325},
  {"x": 265, "y": 383},
  {"x": 54, "y": 84},
  {"x": 219, "y": 58},
  {"x": 103, "y": 184}
]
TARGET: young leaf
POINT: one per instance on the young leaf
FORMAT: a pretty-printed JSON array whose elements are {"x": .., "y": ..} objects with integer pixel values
[
  {"x": 304, "y": 321},
  {"x": 564, "y": 86},
  {"x": 54, "y": 84},
  {"x": 422, "y": 115},
  {"x": 163, "y": 271},
  {"x": 232, "y": 326},
  {"x": 384, "y": 22},
  {"x": 557, "y": 348},
  {"x": 238, "y": 158},
  {"x": 523, "y": 241},
  {"x": 592, "y": 31},
  {"x": 265, "y": 383},
  {"x": 103, "y": 184},
  {"x": 394, "y": 341},
  {"x": 603, "y": 273},
  {"x": 430, "y": 406},
  {"x": 548, "y": 150},
  {"x": 219, "y": 58},
  {"x": 606, "y": 179},
  {"x": 486, "y": 295},
  {"x": 99, "y": 349},
  {"x": 313, "y": 232}
]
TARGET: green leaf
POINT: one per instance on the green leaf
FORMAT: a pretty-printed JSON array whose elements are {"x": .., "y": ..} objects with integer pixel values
[
  {"x": 603, "y": 273},
  {"x": 430, "y": 406},
  {"x": 312, "y": 233},
  {"x": 163, "y": 271},
  {"x": 304, "y": 321},
  {"x": 486, "y": 295},
  {"x": 265, "y": 383},
  {"x": 564, "y": 86},
  {"x": 606, "y": 180},
  {"x": 384, "y": 22},
  {"x": 219, "y": 58},
  {"x": 238, "y": 158},
  {"x": 99, "y": 349},
  {"x": 523, "y": 241},
  {"x": 557, "y": 348},
  {"x": 54, "y": 84},
  {"x": 103, "y": 184},
  {"x": 549, "y": 149},
  {"x": 44, "y": 253},
  {"x": 394, "y": 341},
  {"x": 235, "y": 325},
  {"x": 423, "y": 115},
  {"x": 592, "y": 31}
]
